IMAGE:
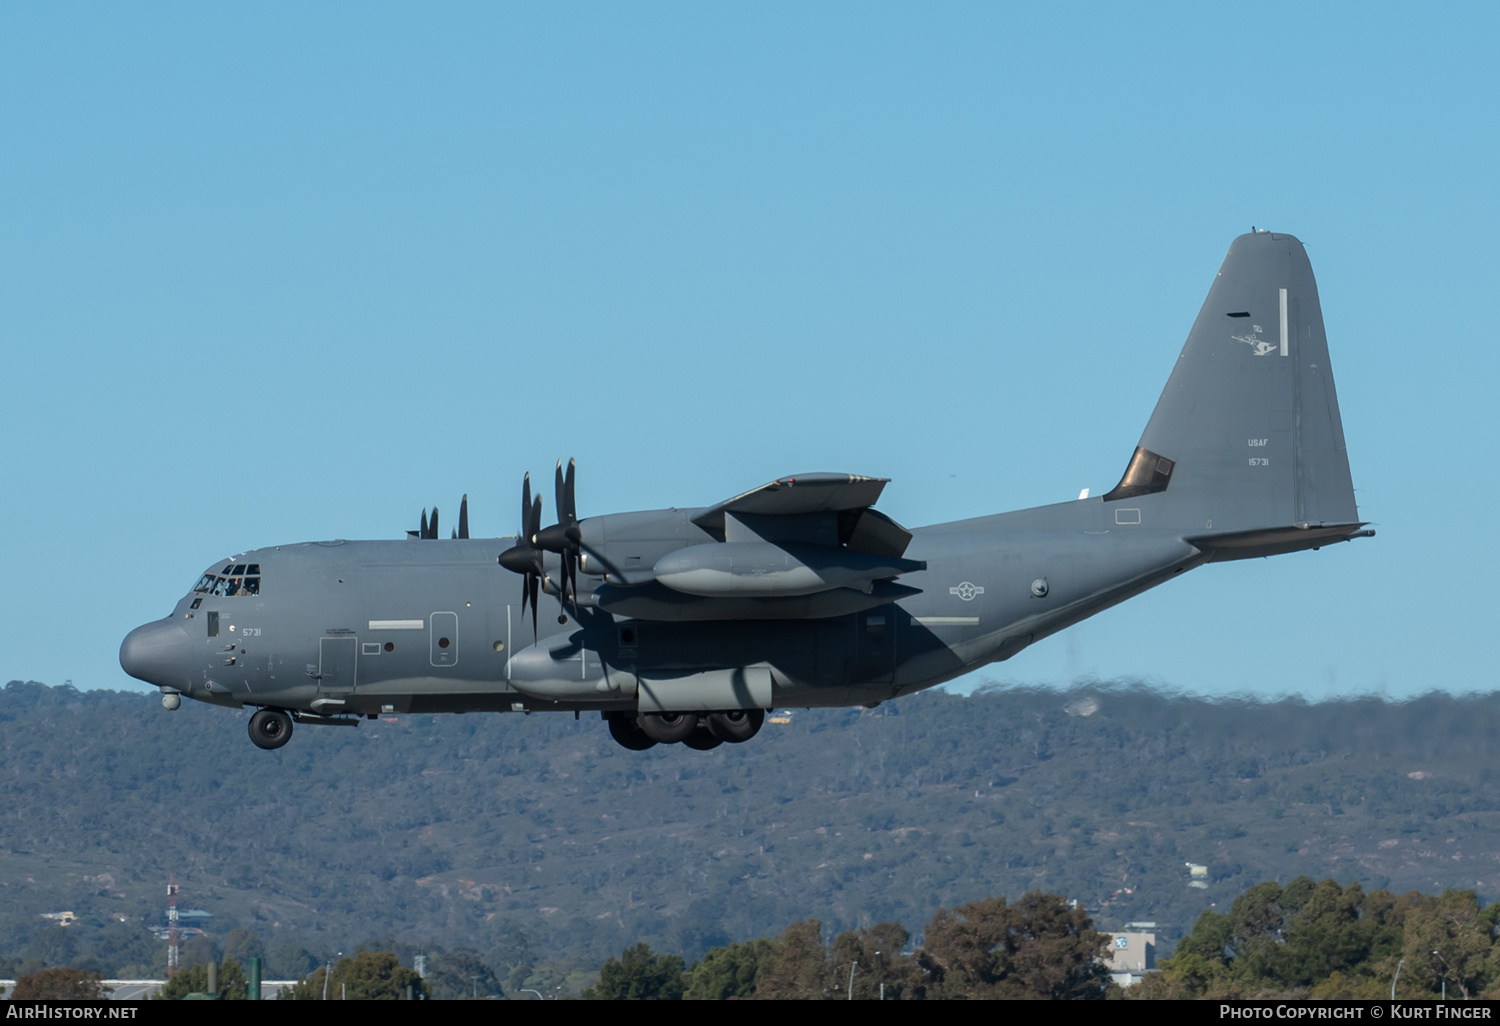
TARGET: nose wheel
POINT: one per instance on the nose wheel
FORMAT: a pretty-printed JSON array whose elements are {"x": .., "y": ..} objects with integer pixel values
[{"x": 270, "y": 728}]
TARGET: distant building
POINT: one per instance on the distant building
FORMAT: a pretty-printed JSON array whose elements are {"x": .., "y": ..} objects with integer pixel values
[
  {"x": 61, "y": 918},
  {"x": 1131, "y": 956}
]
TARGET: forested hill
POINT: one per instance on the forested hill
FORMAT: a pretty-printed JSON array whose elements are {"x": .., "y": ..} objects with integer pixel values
[{"x": 496, "y": 830}]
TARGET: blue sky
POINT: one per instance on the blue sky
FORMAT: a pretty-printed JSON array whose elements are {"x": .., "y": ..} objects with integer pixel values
[{"x": 272, "y": 273}]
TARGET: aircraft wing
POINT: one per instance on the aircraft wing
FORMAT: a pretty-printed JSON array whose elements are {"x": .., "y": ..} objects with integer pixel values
[{"x": 801, "y": 508}]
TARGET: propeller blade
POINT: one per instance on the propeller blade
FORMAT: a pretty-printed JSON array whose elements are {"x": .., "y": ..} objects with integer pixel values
[
  {"x": 571, "y": 559},
  {"x": 536, "y": 583},
  {"x": 463, "y": 518},
  {"x": 424, "y": 523},
  {"x": 568, "y": 513},
  {"x": 525, "y": 532},
  {"x": 432, "y": 524}
]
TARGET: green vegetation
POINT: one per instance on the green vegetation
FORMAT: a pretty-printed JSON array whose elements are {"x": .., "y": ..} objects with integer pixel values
[
  {"x": 543, "y": 848},
  {"x": 462, "y": 973},
  {"x": 60, "y": 985},
  {"x": 193, "y": 979},
  {"x": 639, "y": 975},
  {"x": 1321, "y": 940},
  {"x": 1037, "y": 948},
  {"x": 368, "y": 976},
  {"x": 728, "y": 972}
]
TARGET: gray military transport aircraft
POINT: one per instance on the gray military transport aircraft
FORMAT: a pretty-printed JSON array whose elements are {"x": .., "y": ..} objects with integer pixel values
[{"x": 685, "y": 625}]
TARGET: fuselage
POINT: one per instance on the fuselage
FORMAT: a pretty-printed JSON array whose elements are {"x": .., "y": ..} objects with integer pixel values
[{"x": 365, "y": 627}]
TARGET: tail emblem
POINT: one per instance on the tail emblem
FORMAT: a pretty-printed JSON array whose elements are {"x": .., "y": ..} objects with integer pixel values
[{"x": 1260, "y": 346}]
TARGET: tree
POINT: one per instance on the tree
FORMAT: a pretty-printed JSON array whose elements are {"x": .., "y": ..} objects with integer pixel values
[
  {"x": 639, "y": 975},
  {"x": 1447, "y": 939},
  {"x": 728, "y": 972},
  {"x": 1322, "y": 938},
  {"x": 60, "y": 985},
  {"x": 798, "y": 968},
  {"x": 461, "y": 973},
  {"x": 194, "y": 980},
  {"x": 368, "y": 976},
  {"x": 290, "y": 961},
  {"x": 875, "y": 956},
  {"x": 1038, "y": 948}
]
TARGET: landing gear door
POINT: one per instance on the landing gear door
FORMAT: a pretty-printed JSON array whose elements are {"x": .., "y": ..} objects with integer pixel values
[
  {"x": 443, "y": 640},
  {"x": 875, "y": 646},
  {"x": 336, "y": 665}
]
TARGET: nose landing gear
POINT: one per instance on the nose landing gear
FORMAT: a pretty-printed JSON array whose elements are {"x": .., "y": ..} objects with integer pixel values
[{"x": 270, "y": 728}]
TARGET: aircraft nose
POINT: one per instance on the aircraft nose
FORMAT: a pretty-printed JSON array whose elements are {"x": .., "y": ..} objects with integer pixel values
[{"x": 157, "y": 653}]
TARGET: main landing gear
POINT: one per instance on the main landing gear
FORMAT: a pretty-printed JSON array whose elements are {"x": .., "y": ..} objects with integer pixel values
[
  {"x": 701, "y": 731},
  {"x": 270, "y": 728}
]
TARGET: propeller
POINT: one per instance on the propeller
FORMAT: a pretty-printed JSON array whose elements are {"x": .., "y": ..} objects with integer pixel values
[
  {"x": 525, "y": 557},
  {"x": 564, "y": 537},
  {"x": 429, "y": 528}
]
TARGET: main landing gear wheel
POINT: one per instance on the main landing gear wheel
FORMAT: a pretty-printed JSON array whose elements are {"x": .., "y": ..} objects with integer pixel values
[
  {"x": 270, "y": 728},
  {"x": 702, "y": 740},
  {"x": 736, "y": 725},
  {"x": 669, "y": 727},
  {"x": 623, "y": 729}
]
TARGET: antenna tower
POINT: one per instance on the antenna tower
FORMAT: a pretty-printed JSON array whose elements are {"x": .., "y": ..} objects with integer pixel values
[{"x": 172, "y": 956}]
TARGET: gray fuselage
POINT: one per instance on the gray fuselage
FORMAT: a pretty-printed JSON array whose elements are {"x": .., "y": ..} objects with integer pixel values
[{"x": 435, "y": 625}]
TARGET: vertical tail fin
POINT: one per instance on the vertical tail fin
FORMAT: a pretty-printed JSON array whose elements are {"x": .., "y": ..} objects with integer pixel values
[{"x": 1246, "y": 437}]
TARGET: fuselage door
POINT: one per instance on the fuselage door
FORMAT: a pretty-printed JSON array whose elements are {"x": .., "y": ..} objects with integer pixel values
[
  {"x": 443, "y": 639},
  {"x": 336, "y": 665}
]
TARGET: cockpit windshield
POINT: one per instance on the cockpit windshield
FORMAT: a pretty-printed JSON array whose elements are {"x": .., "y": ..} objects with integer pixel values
[{"x": 233, "y": 579}]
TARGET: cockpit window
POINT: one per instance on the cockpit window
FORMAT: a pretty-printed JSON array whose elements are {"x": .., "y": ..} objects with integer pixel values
[{"x": 234, "y": 579}]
